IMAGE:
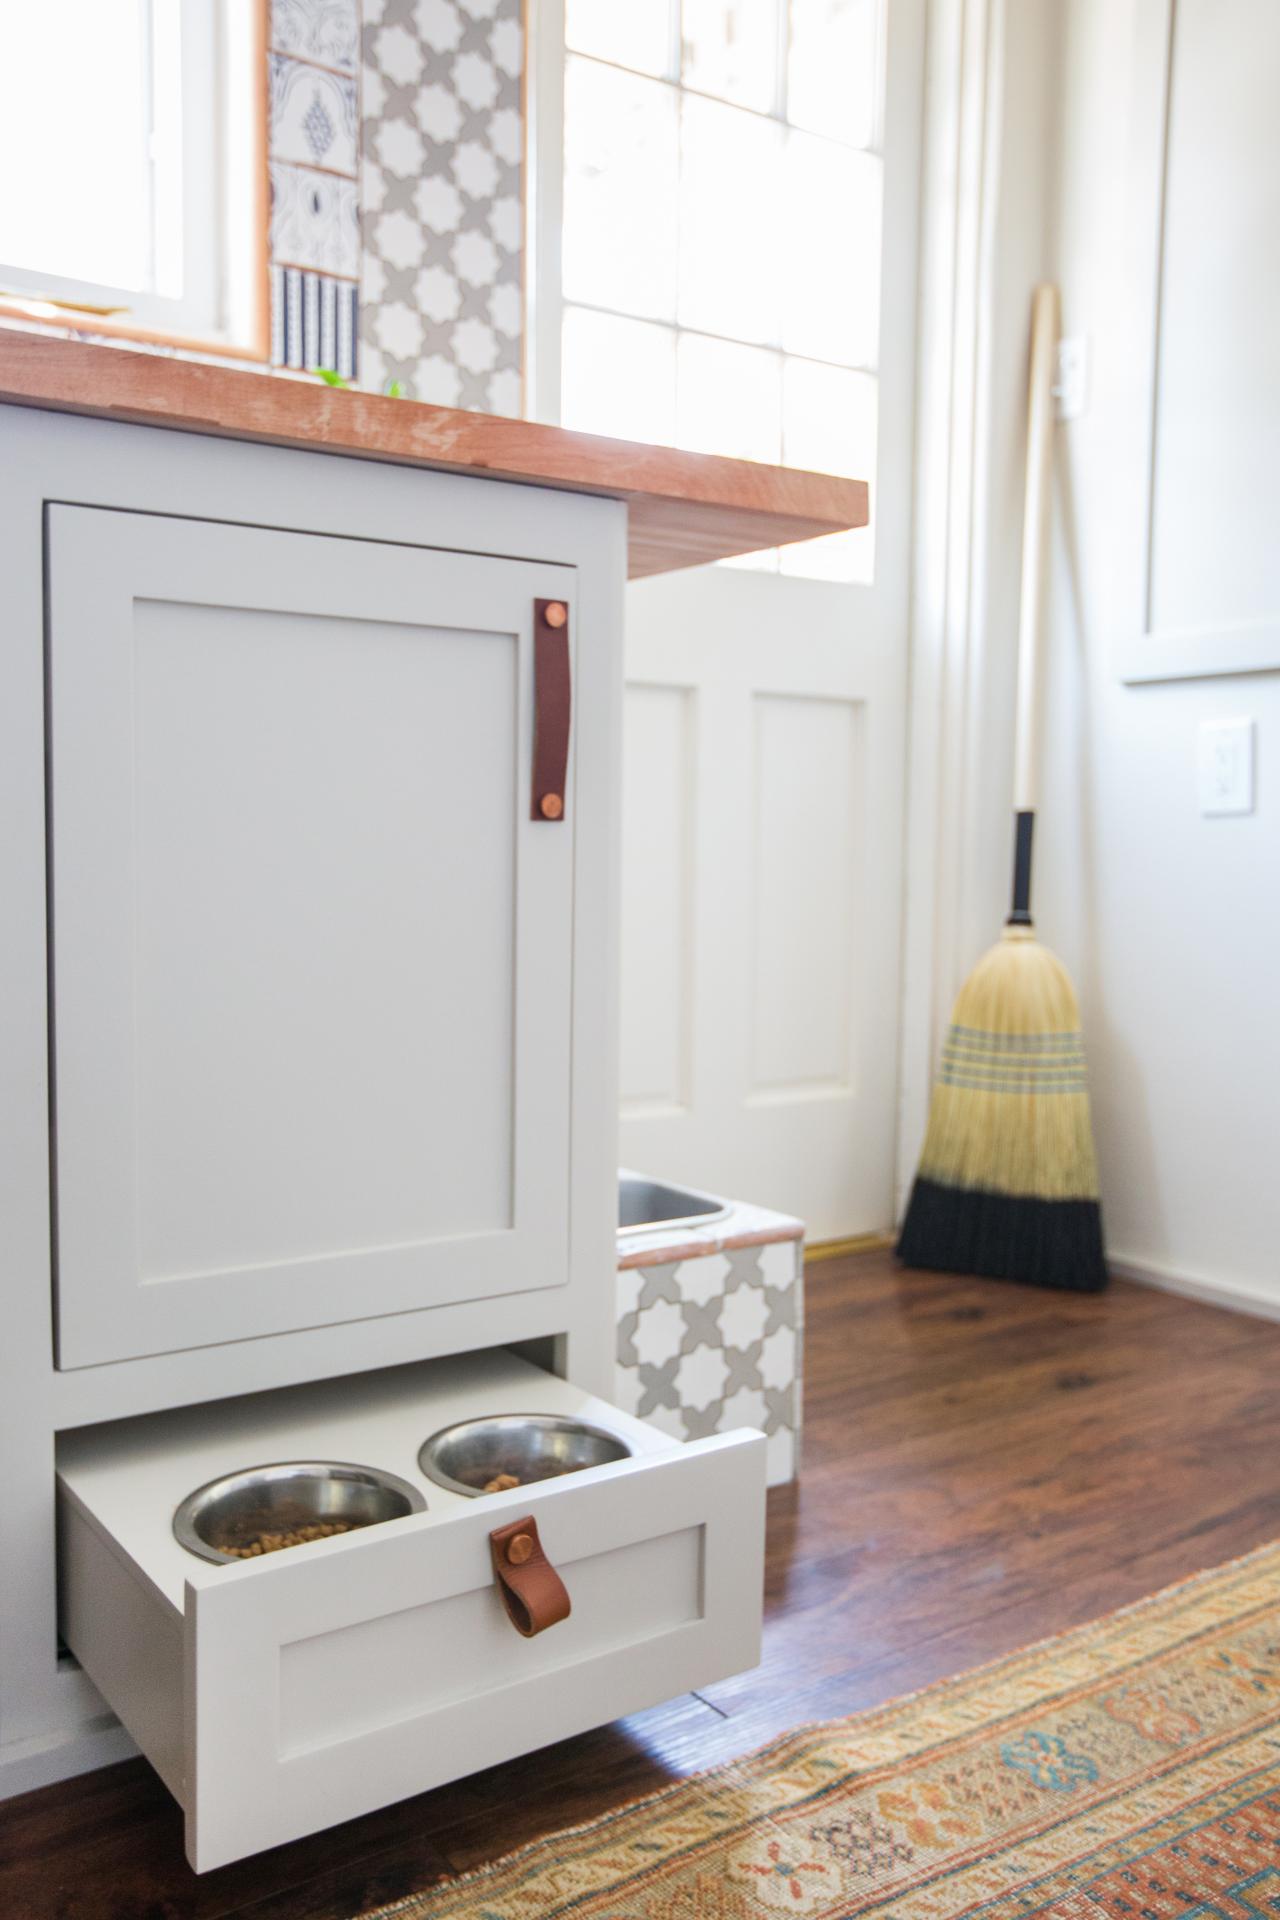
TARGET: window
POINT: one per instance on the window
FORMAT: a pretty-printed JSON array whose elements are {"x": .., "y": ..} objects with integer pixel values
[
  {"x": 117, "y": 121},
  {"x": 720, "y": 249}
]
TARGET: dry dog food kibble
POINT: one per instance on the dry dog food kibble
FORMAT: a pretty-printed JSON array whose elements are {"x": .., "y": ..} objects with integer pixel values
[
  {"x": 500, "y": 1483},
  {"x": 294, "y": 1537}
]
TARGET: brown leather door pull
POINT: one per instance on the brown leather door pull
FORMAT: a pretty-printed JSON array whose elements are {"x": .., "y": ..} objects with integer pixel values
[
  {"x": 533, "y": 1593},
  {"x": 552, "y": 704}
]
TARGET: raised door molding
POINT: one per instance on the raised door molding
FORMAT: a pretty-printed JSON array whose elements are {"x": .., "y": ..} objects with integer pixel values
[{"x": 1195, "y": 556}]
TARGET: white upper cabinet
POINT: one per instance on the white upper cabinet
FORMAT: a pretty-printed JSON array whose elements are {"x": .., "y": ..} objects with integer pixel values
[{"x": 311, "y": 981}]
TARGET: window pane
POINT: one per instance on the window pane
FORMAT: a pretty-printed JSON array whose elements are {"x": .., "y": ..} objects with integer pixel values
[
  {"x": 620, "y": 144},
  {"x": 834, "y": 67},
  {"x": 730, "y": 221},
  {"x": 830, "y": 264},
  {"x": 729, "y": 399},
  {"x": 618, "y": 376},
  {"x": 730, "y": 48},
  {"x": 74, "y": 115},
  {"x": 632, "y": 33},
  {"x": 850, "y": 557},
  {"x": 829, "y": 424},
  {"x": 829, "y": 419}
]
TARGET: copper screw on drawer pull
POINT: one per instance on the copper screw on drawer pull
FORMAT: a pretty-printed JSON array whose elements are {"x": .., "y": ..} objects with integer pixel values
[
  {"x": 552, "y": 806},
  {"x": 556, "y": 614},
  {"x": 520, "y": 1549}
]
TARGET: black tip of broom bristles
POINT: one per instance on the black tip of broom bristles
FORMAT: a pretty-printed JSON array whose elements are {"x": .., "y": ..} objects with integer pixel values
[{"x": 998, "y": 1236}]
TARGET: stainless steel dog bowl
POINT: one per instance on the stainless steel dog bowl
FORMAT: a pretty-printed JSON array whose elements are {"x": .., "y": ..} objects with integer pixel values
[
  {"x": 528, "y": 1446},
  {"x": 648, "y": 1205},
  {"x": 233, "y": 1512}
]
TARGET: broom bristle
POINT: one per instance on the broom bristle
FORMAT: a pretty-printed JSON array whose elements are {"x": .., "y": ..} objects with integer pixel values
[{"x": 1008, "y": 1180}]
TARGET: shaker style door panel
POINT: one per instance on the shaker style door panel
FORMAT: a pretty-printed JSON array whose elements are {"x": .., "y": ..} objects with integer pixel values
[{"x": 311, "y": 955}]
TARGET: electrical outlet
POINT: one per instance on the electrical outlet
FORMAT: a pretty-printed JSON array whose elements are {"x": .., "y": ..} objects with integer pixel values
[
  {"x": 1225, "y": 766},
  {"x": 1071, "y": 388}
]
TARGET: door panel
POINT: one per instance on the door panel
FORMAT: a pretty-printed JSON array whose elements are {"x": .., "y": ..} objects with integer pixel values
[
  {"x": 761, "y": 896},
  {"x": 311, "y": 956},
  {"x": 763, "y": 814}
]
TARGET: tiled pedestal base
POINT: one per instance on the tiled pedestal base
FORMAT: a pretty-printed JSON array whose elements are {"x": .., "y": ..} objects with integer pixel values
[{"x": 710, "y": 1330}]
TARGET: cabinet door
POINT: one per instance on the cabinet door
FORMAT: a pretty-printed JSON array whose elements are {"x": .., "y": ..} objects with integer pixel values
[{"x": 311, "y": 954}]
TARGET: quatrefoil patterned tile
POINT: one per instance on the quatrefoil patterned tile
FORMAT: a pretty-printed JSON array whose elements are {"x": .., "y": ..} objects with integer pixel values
[
  {"x": 712, "y": 1342},
  {"x": 441, "y": 208}
]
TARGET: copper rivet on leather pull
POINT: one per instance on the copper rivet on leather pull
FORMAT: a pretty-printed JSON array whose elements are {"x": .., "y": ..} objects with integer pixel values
[
  {"x": 530, "y": 1589},
  {"x": 552, "y": 806},
  {"x": 555, "y": 615}
]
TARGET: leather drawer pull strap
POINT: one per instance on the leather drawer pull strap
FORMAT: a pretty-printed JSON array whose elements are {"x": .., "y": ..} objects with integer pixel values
[
  {"x": 533, "y": 1593},
  {"x": 552, "y": 700}
]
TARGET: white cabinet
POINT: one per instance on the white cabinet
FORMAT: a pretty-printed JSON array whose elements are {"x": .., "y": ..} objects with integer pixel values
[
  {"x": 307, "y": 1100},
  {"x": 311, "y": 953},
  {"x": 292, "y": 1691}
]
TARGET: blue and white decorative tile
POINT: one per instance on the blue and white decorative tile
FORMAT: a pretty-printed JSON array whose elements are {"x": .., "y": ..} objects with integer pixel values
[
  {"x": 314, "y": 120},
  {"x": 327, "y": 31},
  {"x": 315, "y": 221},
  {"x": 314, "y": 321}
]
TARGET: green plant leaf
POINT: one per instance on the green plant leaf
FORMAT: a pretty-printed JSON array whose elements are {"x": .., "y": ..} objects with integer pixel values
[
  {"x": 394, "y": 390},
  {"x": 331, "y": 377}
]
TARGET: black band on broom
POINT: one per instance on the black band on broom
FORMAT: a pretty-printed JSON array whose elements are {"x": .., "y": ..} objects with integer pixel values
[{"x": 1008, "y": 1182}]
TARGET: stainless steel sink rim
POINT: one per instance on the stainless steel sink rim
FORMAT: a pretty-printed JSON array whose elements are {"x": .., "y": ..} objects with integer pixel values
[
  {"x": 340, "y": 1474},
  {"x": 664, "y": 1208},
  {"x": 515, "y": 1425}
]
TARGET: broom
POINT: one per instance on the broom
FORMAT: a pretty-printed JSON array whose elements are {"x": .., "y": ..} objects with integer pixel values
[{"x": 1007, "y": 1185}]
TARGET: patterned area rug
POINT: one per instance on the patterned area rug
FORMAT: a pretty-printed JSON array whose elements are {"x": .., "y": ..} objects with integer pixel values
[{"x": 1129, "y": 1770}]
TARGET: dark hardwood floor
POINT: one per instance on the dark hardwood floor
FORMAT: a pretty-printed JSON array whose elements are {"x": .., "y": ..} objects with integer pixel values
[{"x": 984, "y": 1465}]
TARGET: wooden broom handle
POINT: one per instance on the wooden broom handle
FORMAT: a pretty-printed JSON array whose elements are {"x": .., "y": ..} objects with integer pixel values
[{"x": 1035, "y": 542}]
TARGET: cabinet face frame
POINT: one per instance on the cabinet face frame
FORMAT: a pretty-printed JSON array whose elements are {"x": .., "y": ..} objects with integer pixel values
[
  {"x": 130, "y": 602},
  {"x": 51, "y": 1719}
]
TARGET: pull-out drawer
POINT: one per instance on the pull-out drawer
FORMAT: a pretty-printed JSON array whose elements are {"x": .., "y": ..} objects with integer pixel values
[{"x": 276, "y": 1695}]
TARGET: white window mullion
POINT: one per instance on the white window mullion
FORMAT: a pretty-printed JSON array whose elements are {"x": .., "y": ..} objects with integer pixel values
[
  {"x": 675, "y": 41},
  {"x": 544, "y": 157}
]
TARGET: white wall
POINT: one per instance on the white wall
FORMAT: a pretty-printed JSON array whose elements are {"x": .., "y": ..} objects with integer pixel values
[{"x": 1170, "y": 922}]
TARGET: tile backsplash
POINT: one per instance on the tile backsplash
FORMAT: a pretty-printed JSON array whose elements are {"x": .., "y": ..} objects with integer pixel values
[
  {"x": 395, "y": 162},
  {"x": 326, "y": 32},
  {"x": 441, "y": 200},
  {"x": 396, "y": 153},
  {"x": 313, "y": 98}
]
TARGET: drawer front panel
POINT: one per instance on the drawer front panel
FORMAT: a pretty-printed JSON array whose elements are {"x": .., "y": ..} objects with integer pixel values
[
  {"x": 411, "y": 1663},
  {"x": 311, "y": 957},
  {"x": 382, "y": 1665}
]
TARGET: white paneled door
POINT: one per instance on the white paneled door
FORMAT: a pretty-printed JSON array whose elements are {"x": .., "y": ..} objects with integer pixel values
[
  {"x": 765, "y": 783},
  {"x": 311, "y": 954},
  {"x": 761, "y": 879}
]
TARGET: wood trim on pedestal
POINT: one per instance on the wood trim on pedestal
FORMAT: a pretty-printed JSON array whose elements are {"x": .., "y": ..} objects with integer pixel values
[{"x": 685, "y": 508}]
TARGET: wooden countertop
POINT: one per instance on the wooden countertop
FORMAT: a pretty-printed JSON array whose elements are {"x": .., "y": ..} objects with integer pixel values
[{"x": 685, "y": 508}]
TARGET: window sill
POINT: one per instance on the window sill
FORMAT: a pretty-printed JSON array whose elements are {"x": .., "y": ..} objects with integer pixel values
[{"x": 102, "y": 328}]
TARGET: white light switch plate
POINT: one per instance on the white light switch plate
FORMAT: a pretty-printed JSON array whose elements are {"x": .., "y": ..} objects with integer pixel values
[{"x": 1225, "y": 766}]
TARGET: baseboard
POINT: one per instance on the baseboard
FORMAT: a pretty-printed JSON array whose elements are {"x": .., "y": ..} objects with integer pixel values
[
  {"x": 1232, "y": 1294},
  {"x": 857, "y": 1243},
  {"x": 38, "y": 1762}
]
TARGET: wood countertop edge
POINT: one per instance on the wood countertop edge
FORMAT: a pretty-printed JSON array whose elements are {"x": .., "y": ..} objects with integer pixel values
[{"x": 686, "y": 508}]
